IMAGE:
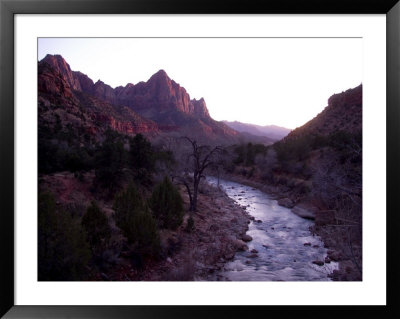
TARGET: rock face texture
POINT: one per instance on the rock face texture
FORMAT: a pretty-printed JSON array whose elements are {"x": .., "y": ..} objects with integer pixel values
[
  {"x": 158, "y": 105},
  {"x": 61, "y": 98},
  {"x": 63, "y": 70}
]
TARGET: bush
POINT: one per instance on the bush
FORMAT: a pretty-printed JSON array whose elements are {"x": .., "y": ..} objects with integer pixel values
[
  {"x": 141, "y": 158},
  {"x": 133, "y": 217},
  {"x": 97, "y": 227},
  {"x": 243, "y": 171},
  {"x": 63, "y": 252},
  {"x": 109, "y": 161},
  {"x": 167, "y": 205},
  {"x": 190, "y": 224},
  {"x": 246, "y": 153},
  {"x": 250, "y": 173}
]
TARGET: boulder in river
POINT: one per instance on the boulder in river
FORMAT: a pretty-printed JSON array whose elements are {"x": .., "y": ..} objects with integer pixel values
[
  {"x": 240, "y": 245},
  {"x": 327, "y": 260},
  {"x": 334, "y": 255},
  {"x": 318, "y": 262},
  {"x": 229, "y": 256},
  {"x": 247, "y": 238},
  {"x": 304, "y": 213}
]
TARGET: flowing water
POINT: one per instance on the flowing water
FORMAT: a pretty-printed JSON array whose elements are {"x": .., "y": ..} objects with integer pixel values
[{"x": 285, "y": 247}]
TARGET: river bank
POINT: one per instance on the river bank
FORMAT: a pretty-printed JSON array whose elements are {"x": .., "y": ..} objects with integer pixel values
[
  {"x": 282, "y": 247},
  {"x": 347, "y": 255},
  {"x": 218, "y": 237},
  {"x": 220, "y": 226}
]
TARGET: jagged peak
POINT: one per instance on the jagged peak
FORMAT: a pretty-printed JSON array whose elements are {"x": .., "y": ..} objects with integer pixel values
[
  {"x": 160, "y": 74},
  {"x": 51, "y": 58}
]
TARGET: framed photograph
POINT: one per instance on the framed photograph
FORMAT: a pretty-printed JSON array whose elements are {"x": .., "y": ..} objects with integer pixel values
[{"x": 167, "y": 159}]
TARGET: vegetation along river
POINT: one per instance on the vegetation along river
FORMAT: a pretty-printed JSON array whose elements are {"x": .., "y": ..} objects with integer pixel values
[{"x": 282, "y": 248}]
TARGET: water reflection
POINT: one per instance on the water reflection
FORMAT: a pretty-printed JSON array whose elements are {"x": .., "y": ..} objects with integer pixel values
[{"x": 282, "y": 249}]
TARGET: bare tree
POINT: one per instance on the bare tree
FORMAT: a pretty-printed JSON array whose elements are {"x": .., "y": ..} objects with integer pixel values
[{"x": 196, "y": 162}]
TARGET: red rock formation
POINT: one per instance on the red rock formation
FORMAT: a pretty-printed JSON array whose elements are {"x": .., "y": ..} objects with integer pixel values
[
  {"x": 160, "y": 100},
  {"x": 85, "y": 82},
  {"x": 200, "y": 108},
  {"x": 93, "y": 115},
  {"x": 52, "y": 84},
  {"x": 161, "y": 94},
  {"x": 61, "y": 67},
  {"x": 104, "y": 92}
]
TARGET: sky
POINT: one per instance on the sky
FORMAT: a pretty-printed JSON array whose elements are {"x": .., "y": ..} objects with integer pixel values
[{"x": 264, "y": 81}]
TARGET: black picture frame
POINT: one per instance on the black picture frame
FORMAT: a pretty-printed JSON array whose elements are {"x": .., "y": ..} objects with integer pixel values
[{"x": 8, "y": 8}]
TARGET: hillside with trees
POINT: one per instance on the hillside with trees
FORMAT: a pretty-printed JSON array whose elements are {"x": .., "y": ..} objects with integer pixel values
[{"x": 317, "y": 172}]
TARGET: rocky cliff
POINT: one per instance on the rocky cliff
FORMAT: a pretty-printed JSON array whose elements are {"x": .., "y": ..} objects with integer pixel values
[
  {"x": 160, "y": 104},
  {"x": 61, "y": 98}
]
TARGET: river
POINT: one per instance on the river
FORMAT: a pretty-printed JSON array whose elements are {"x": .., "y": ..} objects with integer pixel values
[{"x": 283, "y": 247}]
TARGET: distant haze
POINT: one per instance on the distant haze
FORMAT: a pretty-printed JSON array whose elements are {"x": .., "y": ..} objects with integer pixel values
[
  {"x": 263, "y": 81},
  {"x": 271, "y": 131}
]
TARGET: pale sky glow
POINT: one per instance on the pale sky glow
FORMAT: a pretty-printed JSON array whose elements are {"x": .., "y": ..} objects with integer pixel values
[{"x": 280, "y": 81}]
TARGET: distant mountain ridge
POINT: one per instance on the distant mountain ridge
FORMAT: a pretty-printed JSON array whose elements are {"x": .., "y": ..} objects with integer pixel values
[
  {"x": 159, "y": 90},
  {"x": 272, "y": 131},
  {"x": 158, "y": 105}
]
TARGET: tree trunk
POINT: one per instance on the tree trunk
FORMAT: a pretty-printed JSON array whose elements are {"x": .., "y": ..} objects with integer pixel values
[
  {"x": 191, "y": 206},
  {"x": 195, "y": 191}
]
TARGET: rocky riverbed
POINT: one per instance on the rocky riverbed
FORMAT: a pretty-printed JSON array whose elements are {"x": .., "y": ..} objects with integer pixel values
[
  {"x": 281, "y": 246},
  {"x": 348, "y": 257}
]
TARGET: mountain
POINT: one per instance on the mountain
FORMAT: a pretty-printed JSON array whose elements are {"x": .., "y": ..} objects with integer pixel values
[
  {"x": 245, "y": 137},
  {"x": 343, "y": 113},
  {"x": 159, "y": 105},
  {"x": 320, "y": 163},
  {"x": 62, "y": 100},
  {"x": 271, "y": 131},
  {"x": 320, "y": 171}
]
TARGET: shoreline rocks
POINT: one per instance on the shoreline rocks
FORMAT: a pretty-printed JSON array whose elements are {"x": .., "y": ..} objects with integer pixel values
[
  {"x": 307, "y": 209},
  {"x": 246, "y": 238},
  {"x": 286, "y": 202},
  {"x": 303, "y": 212}
]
